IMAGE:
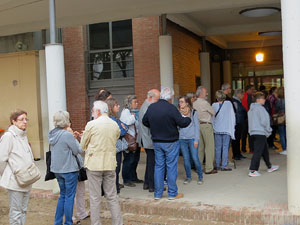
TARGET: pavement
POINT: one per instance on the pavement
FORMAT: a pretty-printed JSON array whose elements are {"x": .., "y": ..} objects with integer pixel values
[{"x": 233, "y": 188}]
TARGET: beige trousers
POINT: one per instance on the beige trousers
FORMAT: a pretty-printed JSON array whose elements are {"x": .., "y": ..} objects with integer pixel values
[
  {"x": 108, "y": 178},
  {"x": 207, "y": 146}
]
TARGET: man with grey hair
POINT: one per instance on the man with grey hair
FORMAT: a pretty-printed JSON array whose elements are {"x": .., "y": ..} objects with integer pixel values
[
  {"x": 99, "y": 142},
  {"x": 144, "y": 140},
  {"x": 163, "y": 118},
  {"x": 240, "y": 118},
  {"x": 206, "y": 142}
]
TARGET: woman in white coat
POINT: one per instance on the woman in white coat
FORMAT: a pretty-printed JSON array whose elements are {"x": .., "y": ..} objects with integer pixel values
[{"x": 15, "y": 154}]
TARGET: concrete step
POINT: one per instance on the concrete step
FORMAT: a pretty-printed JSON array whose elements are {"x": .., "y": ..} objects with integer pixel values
[{"x": 134, "y": 219}]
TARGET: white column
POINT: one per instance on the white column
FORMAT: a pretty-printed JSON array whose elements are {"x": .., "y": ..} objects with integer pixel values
[
  {"x": 205, "y": 72},
  {"x": 291, "y": 55},
  {"x": 227, "y": 76},
  {"x": 166, "y": 61},
  {"x": 56, "y": 85}
]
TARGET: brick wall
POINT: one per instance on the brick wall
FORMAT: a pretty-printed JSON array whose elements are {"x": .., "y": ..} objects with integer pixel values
[
  {"x": 145, "y": 32},
  {"x": 186, "y": 63},
  {"x": 77, "y": 102}
]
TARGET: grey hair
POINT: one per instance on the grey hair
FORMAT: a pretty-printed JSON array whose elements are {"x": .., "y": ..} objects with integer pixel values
[
  {"x": 238, "y": 92},
  {"x": 225, "y": 86},
  {"x": 150, "y": 94},
  {"x": 166, "y": 93},
  {"x": 128, "y": 101},
  {"x": 101, "y": 106},
  {"x": 220, "y": 95},
  {"x": 190, "y": 95},
  {"x": 61, "y": 119},
  {"x": 199, "y": 90}
]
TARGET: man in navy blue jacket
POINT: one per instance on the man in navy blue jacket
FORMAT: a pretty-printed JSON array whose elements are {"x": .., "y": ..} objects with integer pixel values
[{"x": 163, "y": 119}]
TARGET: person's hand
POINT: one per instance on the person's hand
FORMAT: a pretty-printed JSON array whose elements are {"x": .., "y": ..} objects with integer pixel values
[
  {"x": 195, "y": 144},
  {"x": 76, "y": 134},
  {"x": 124, "y": 127},
  {"x": 82, "y": 132}
]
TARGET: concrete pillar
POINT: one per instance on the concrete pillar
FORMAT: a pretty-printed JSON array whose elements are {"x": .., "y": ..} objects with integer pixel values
[
  {"x": 166, "y": 61},
  {"x": 227, "y": 76},
  {"x": 291, "y": 55},
  {"x": 205, "y": 72},
  {"x": 56, "y": 85}
]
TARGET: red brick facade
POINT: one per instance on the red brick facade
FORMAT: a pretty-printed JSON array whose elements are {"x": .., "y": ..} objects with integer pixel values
[
  {"x": 145, "y": 33},
  {"x": 77, "y": 102},
  {"x": 186, "y": 63}
]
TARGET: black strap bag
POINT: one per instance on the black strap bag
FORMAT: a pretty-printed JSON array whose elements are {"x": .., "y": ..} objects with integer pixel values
[{"x": 49, "y": 175}]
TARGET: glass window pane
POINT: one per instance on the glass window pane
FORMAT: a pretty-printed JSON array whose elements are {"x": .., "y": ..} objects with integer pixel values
[
  {"x": 122, "y": 34},
  {"x": 123, "y": 63},
  {"x": 100, "y": 65},
  {"x": 99, "y": 36}
]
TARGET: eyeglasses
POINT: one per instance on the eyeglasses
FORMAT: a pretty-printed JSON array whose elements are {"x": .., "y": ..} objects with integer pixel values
[{"x": 24, "y": 119}]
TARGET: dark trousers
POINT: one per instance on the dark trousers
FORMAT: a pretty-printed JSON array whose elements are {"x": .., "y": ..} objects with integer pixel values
[
  {"x": 244, "y": 138},
  {"x": 271, "y": 138},
  {"x": 130, "y": 163},
  {"x": 236, "y": 144},
  {"x": 136, "y": 159},
  {"x": 149, "y": 173},
  {"x": 118, "y": 169},
  {"x": 260, "y": 150}
]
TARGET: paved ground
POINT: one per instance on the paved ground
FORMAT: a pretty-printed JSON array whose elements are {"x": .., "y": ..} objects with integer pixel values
[{"x": 233, "y": 188}]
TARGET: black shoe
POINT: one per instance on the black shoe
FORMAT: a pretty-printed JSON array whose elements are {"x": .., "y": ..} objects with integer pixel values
[
  {"x": 151, "y": 189},
  {"x": 242, "y": 157},
  {"x": 138, "y": 181},
  {"x": 129, "y": 184},
  {"x": 212, "y": 172},
  {"x": 274, "y": 147},
  {"x": 244, "y": 150},
  {"x": 146, "y": 187},
  {"x": 226, "y": 169},
  {"x": 121, "y": 186},
  {"x": 237, "y": 158}
]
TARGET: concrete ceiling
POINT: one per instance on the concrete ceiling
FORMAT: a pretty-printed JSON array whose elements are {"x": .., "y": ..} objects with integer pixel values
[
  {"x": 213, "y": 18},
  {"x": 228, "y": 29}
]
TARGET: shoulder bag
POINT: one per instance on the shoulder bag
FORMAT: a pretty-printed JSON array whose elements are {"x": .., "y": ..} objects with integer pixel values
[
  {"x": 131, "y": 141},
  {"x": 82, "y": 171},
  {"x": 49, "y": 175}
]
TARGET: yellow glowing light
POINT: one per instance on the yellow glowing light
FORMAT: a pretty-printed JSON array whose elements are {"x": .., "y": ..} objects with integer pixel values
[{"x": 259, "y": 57}]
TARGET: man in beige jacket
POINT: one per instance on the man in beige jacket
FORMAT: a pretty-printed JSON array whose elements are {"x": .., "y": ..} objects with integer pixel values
[
  {"x": 206, "y": 142},
  {"x": 99, "y": 143}
]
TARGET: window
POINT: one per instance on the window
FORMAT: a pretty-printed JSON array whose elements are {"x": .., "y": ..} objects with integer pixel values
[{"x": 110, "y": 53}]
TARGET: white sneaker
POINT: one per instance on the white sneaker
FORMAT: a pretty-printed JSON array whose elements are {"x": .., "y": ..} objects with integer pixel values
[
  {"x": 273, "y": 168},
  {"x": 283, "y": 152},
  {"x": 254, "y": 174}
]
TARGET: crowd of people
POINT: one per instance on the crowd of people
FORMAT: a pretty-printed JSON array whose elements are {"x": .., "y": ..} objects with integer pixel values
[{"x": 202, "y": 133}]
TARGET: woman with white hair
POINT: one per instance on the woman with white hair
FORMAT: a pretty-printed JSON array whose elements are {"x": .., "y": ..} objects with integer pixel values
[
  {"x": 64, "y": 150},
  {"x": 223, "y": 124},
  {"x": 130, "y": 116}
]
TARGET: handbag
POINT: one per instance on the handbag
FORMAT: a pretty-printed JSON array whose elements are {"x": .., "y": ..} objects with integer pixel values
[
  {"x": 279, "y": 119},
  {"x": 131, "y": 141},
  {"x": 121, "y": 145},
  {"x": 27, "y": 175},
  {"x": 49, "y": 175},
  {"x": 82, "y": 171}
]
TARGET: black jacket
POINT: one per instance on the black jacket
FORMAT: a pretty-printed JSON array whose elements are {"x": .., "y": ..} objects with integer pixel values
[
  {"x": 163, "y": 118},
  {"x": 241, "y": 112}
]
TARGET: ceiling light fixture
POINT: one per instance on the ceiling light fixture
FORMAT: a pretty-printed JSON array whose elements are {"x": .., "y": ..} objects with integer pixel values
[
  {"x": 270, "y": 33},
  {"x": 259, "y": 11}
]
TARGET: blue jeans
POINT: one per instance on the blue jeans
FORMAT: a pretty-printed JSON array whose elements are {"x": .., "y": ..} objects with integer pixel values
[
  {"x": 282, "y": 134},
  {"x": 222, "y": 142},
  {"x": 189, "y": 153},
  {"x": 166, "y": 157},
  {"x": 67, "y": 184}
]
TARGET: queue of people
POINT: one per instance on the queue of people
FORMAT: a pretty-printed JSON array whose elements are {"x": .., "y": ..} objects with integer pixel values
[{"x": 200, "y": 131}]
